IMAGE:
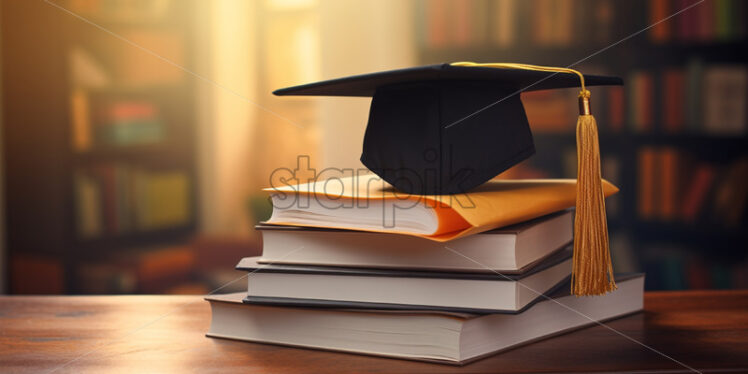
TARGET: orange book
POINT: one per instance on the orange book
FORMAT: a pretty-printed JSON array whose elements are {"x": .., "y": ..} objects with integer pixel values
[
  {"x": 157, "y": 269},
  {"x": 80, "y": 121},
  {"x": 368, "y": 203},
  {"x": 673, "y": 99},
  {"x": 616, "y": 108},
  {"x": 658, "y": 11},
  {"x": 32, "y": 274},
  {"x": 697, "y": 193},
  {"x": 645, "y": 107},
  {"x": 707, "y": 15},
  {"x": 461, "y": 22},
  {"x": 437, "y": 23},
  {"x": 668, "y": 183},
  {"x": 646, "y": 177}
]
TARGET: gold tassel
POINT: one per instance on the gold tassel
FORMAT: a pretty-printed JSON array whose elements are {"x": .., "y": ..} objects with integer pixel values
[{"x": 592, "y": 273}]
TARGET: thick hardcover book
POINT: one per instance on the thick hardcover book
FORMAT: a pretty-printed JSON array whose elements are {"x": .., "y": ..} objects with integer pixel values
[
  {"x": 403, "y": 289},
  {"x": 452, "y": 338},
  {"x": 510, "y": 249}
]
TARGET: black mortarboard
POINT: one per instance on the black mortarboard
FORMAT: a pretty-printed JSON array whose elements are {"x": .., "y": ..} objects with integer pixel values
[{"x": 445, "y": 129}]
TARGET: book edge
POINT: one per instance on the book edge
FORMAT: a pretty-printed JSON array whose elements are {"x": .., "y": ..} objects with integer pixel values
[{"x": 555, "y": 258}]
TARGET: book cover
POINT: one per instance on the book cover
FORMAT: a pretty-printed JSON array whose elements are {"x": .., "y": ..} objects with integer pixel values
[
  {"x": 419, "y": 335},
  {"x": 279, "y": 284},
  {"x": 497, "y": 203}
]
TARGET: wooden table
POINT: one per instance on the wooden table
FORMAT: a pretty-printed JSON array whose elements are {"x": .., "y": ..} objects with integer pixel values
[{"x": 706, "y": 330}]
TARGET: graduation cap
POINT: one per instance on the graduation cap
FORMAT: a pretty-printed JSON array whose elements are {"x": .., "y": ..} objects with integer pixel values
[{"x": 448, "y": 128}]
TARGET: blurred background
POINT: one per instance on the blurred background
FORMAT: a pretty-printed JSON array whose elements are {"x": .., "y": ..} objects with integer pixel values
[{"x": 137, "y": 134}]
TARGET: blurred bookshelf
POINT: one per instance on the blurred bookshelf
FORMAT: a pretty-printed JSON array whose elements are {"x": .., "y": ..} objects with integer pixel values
[
  {"x": 673, "y": 138},
  {"x": 100, "y": 147}
]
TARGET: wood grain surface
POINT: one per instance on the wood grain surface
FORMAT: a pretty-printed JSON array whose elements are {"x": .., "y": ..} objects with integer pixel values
[{"x": 705, "y": 330}]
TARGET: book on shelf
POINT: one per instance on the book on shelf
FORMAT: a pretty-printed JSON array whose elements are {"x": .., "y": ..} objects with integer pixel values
[
  {"x": 562, "y": 23},
  {"x": 695, "y": 98},
  {"x": 453, "y": 338},
  {"x": 102, "y": 122},
  {"x": 509, "y": 249},
  {"x": 437, "y": 17},
  {"x": 88, "y": 206},
  {"x": 367, "y": 203},
  {"x": 124, "y": 122},
  {"x": 550, "y": 23},
  {"x": 109, "y": 193},
  {"x": 710, "y": 21},
  {"x": 503, "y": 27},
  {"x": 81, "y": 137},
  {"x": 640, "y": 100},
  {"x": 673, "y": 185},
  {"x": 143, "y": 270},
  {"x": 616, "y": 109},
  {"x": 463, "y": 21},
  {"x": 694, "y": 71},
  {"x": 646, "y": 180},
  {"x": 668, "y": 174},
  {"x": 731, "y": 195},
  {"x": 116, "y": 198},
  {"x": 603, "y": 20},
  {"x": 691, "y": 98},
  {"x": 674, "y": 98},
  {"x": 625, "y": 258},
  {"x": 306, "y": 285},
  {"x": 659, "y": 10},
  {"x": 36, "y": 274},
  {"x": 553, "y": 22},
  {"x": 696, "y": 193},
  {"x": 669, "y": 267},
  {"x": 163, "y": 199},
  {"x": 706, "y": 21},
  {"x": 611, "y": 170},
  {"x": 725, "y": 99}
]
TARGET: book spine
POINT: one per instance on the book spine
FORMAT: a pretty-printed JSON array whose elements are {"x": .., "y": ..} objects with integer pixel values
[
  {"x": 437, "y": 17},
  {"x": 647, "y": 183},
  {"x": 698, "y": 190},
  {"x": 659, "y": 10},
  {"x": 669, "y": 183},
  {"x": 503, "y": 22},
  {"x": 673, "y": 100}
]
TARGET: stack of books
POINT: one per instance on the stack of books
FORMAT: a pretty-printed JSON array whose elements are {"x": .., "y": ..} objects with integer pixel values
[{"x": 344, "y": 278}]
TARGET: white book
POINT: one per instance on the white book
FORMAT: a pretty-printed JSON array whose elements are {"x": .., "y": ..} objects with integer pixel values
[
  {"x": 509, "y": 249},
  {"x": 725, "y": 100},
  {"x": 452, "y": 338},
  {"x": 403, "y": 289}
]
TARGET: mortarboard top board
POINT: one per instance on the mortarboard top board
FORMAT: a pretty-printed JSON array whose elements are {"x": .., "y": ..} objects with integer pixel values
[
  {"x": 366, "y": 85},
  {"x": 445, "y": 129}
]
